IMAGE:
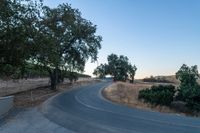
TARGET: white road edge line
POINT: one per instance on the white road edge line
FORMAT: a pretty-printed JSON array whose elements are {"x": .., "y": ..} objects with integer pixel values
[{"x": 142, "y": 118}]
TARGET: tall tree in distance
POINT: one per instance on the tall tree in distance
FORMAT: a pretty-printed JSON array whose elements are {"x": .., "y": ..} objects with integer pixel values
[
  {"x": 101, "y": 71},
  {"x": 132, "y": 71},
  {"x": 118, "y": 67}
]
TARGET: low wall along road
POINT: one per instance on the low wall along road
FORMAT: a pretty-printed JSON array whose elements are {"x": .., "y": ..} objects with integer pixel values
[{"x": 6, "y": 103}]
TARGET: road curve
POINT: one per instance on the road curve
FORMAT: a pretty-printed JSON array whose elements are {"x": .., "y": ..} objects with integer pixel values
[{"x": 84, "y": 110}]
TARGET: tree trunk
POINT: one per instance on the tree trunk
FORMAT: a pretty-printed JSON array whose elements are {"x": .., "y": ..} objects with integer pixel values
[
  {"x": 55, "y": 77},
  {"x": 133, "y": 79},
  {"x": 52, "y": 75}
]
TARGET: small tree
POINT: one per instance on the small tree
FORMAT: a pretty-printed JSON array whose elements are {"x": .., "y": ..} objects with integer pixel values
[
  {"x": 189, "y": 90},
  {"x": 188, "y": 77},
  {"x": 132, "y": 71},
  {"x": 118, "y": 67},
  {"x": 101, "y": 71}
]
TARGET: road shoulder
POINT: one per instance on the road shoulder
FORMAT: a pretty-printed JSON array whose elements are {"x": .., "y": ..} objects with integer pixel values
[{"x": 31, "y": 121}]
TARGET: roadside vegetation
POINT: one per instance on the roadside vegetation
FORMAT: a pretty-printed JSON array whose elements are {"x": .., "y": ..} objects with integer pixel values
[
  {"x": 182, "y": 98},
  {"x": 37, "y": 96},
  {"x": 158, "y": 95},
  {"x": 127, "y": 94},
  {"x": 188, "y": 91},
  {"x": 37, "y": 40},
  {"x": 118, "y": 67}
]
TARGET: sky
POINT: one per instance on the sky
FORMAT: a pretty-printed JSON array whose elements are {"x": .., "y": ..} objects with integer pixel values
[{"x": 158, "y": 36}]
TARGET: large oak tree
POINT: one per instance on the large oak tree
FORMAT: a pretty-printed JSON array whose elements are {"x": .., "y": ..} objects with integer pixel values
[{"x": 56, "y": 39}]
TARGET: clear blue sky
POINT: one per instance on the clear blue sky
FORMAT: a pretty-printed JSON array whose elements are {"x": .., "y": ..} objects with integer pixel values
[{"x": 156, "y": 35}]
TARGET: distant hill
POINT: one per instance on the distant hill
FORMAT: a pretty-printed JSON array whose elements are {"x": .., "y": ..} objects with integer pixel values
[
  {"x": 162, "y": 79},
  {"x": 170, "y": 78},
  {"x": 173, "y": 79}
]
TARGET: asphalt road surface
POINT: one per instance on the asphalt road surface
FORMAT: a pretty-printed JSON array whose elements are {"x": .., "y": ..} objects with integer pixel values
[{"x": 84, "y": 110}]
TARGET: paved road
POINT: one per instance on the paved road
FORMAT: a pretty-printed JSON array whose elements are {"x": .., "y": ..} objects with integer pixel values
[
  {"x": 29, "y": 120},
  {"x": 84, "y": 110}
]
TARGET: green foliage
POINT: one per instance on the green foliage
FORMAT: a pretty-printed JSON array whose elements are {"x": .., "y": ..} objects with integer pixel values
[
  {"x": 7, "y": 70},
  {"x": 131, "y": 71},
  {"x": 118, "y": 67},
  {"x": 101, "y": 71},
  {"x": 56, "y": 39},
  {"x": 193, "y": 100},
  {"x": 72, "y": 76},
  {"x": 71, "y": 41},
  {"x": 34, "y": 71},
  {"x": 17, "y": 30},
  {"x": 189, "y": 89},
  {"x": 158, "y": 95},
  {"x": 188, "y": 77},
  {"x": 80, "y": 75}
]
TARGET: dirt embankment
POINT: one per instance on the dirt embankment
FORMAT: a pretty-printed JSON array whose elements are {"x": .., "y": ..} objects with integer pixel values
[
  {"x": 127, "y": 94},
  {"x": 9, "y": 87},
  {"x": 37, "y": 91}
]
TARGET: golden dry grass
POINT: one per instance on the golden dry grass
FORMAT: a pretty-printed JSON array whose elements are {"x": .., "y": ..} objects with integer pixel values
[
  {"x": 10, "y": 87},
  {"x": 36, "y": 96},
  {"x": 127, "y": 94}
]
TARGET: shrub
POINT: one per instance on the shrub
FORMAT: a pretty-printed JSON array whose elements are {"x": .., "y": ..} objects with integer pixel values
[
  {"x": 189, "y": 89},
  {"x": 193, "y": 99},
  {"x": 158, "y": 95}
]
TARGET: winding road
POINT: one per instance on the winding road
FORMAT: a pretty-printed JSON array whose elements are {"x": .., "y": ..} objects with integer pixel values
[{"x": 84, "y": 110}]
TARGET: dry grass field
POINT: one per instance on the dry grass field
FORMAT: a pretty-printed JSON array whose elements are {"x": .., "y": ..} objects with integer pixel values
[
  {"x": 9, "y": 87},
  {"x": 32, "y": 92},
  {"x": 127, "y": 94},
  {"x": 172, "y": 78},
  {"x": 37, "y": 96}
]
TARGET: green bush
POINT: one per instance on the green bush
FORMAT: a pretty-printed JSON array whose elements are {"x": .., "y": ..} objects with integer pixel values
[
  {"x": 193, "y": 98},
  {"x": 158, "y": 95},
  {"x": 189, "y": 89}
]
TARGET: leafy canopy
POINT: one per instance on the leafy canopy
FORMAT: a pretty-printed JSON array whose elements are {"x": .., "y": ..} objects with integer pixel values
[
  {"x": 68, "y": 39},
  {"x": 57, "y": 39},
  {"x": 189, "y": 89},
  {"x": 118, "y": 67},
  {"x": 17, "y": 28}
]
